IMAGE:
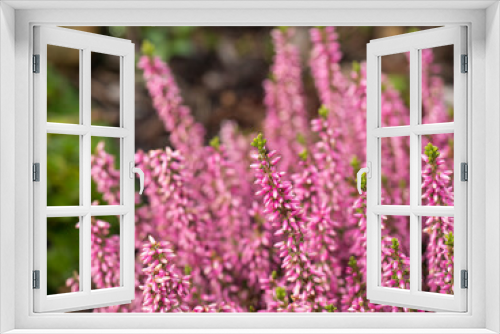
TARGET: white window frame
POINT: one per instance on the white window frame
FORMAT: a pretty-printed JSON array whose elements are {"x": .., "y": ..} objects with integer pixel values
[
  {"x": 18, "y": 18},
  {"x": 85, "y": 43},
  {"x": 413, "y": 43}
]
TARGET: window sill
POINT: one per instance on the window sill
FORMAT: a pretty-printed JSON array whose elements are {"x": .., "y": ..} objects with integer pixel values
[{"x": 251, "y": 331}]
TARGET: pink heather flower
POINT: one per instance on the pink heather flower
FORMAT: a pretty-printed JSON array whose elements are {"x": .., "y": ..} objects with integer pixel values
[
  {"x": 186, "y": 134},
  {"x": 215, "y": 308},
  {"x": 303, "y": 278},
  {"x": 105, "y": 255},
  {"x": 285, "y": 101},
  {"x": 395, "y": 265},
  {"x": 104, "y": 174},
  {"x": 281, "y": 250},
  {"x": 437, "y": 191},
  {"x": 164, "y": 288},
  {"x": 73, "y": 282},
  {"x": 324, "y": 62},
  {"x": 436, "y": 188}
]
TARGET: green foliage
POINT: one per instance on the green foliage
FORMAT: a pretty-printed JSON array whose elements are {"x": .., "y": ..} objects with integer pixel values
[
  {"x": 63, "y": 162},
  {"x": 63, "y": 103},
  {"x": 118, "y": 31},
  {"x": 62, "y": 252},
  {"x": 171, "y": 42}
]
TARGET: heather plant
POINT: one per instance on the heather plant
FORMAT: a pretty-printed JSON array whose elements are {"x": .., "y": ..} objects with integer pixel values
[{"x": 273, "y": 222}]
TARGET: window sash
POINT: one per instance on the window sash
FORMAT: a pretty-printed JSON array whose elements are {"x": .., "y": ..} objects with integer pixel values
[
  {"x": 413, "y": 42},
  {"x": 86, "y": 297}
]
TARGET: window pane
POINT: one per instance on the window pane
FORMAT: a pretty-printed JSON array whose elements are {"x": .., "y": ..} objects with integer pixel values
[
  {"x": 105, "y": 171},
  {"x": 437, "y": 84},
  {"x": 105, "y": 252},
  {"x": 437, "y": 170},
  {"x": 105, "y": 89},
  {"x": 63, "y": 259},
  {"x": 395, "y": 255},
  {"x": 63, "y": 82},
  {"x": 437, "y": 254},
  {"x": 395, "y": 89},
  {"x": 395, "y": 170},
  {"x": 63, "y": 170}
]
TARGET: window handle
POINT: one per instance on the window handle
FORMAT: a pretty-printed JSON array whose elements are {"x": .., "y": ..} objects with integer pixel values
[
  {"x": 133, "y": 170},
  {"x": 368, "y": 171}
]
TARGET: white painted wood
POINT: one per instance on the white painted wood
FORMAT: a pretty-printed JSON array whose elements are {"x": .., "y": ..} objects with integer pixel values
[
  {"x": 248, "y": 4},
  {"x": 471, "y": 322},
  {"x": 491, "y": 163},
  {"x": 7, "y": 166},
  {"x": 78, "y": 129},
  {"x": 407, "y": 210},
  {"x": 86, "y": 298},
  {"x": 413, "y": 43},
  {"x": 418, "y": 129}
]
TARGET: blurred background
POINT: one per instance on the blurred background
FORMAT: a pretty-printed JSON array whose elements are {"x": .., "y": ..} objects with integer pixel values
[{"x": 220, "y": 71}]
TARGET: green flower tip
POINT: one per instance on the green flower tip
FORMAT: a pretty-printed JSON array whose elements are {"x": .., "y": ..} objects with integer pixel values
[
  {"x": 215, "y": 142},
  {"x": 251, "y": 308},
  {"x": 352, "y": 262},
  {"x": 395, "y": 244},
  {"x": 148, "y": 49},
  {"x": 259, "y": 142},
  {"x": 356, "y": 67},
  {"x": 432, "y": 152},
  {"x": 187, "y": 270},
  {"x": 304, "y": 154},
  {"x": 355, "y": 164},
  {"x": 274, "y": 274},
  {"x": 330, "y": 308},
  {"x": 323, "y": 111},
  {"x": 301, "y": 139},
  {"x": 281, "y": 293},
  {"x": 363, "y": 182},
  {"x": 283, "y": 29},
  {"x": 449, "y": 239}
]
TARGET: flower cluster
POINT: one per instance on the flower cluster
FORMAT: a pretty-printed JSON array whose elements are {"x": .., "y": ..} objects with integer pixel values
[
  {"x": 164, "y": 288},
  {"x": 438, "y": 231},
  {"x": 304, "y": 279},
  {"x": 273, "y": 222}
]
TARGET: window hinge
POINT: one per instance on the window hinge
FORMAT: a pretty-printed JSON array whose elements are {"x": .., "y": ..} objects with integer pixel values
[
  {"x": 465, "y": 64},
  {"x": 36, "y": 172},
  {"x": 36, "y": 63},
  {"x": 36, "y": 279},
  {"x": 465, "y": 279},
  {"x": 464, "y": 173}
]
